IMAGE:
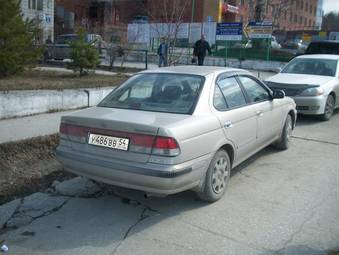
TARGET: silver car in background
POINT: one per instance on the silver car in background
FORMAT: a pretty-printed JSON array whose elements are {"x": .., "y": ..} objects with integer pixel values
[
  {"x": 178, "y": 128},
  {"x": 313, "y": 82}
]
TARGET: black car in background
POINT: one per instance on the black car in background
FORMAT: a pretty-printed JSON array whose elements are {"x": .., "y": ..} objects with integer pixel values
[{"x": 323, "y": 47}]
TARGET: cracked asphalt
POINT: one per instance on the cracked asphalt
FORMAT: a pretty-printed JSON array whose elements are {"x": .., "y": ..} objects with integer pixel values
[{"x": 277, "y": 203}]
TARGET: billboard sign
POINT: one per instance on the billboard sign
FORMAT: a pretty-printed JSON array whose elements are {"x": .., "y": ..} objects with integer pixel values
[
  {"x": 230, "y": 8},
  {"x": 259, "y": 29},
  {"x": 229, "y": 31}
]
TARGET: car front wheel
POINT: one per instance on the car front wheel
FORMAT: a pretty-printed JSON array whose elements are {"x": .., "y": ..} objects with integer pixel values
[
  {"x": 329, "y": 108},
  {"x": 217, "y": 177},
  {"x": 284, "y": 140}
]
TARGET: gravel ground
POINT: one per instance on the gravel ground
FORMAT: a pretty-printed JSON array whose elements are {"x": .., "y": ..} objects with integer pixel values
[{"x": 28, "y": 166}]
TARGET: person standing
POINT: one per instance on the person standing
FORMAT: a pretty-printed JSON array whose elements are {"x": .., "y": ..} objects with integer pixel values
[
  {"x": 163, "y": 53},
  {"x": 200, "y": 48}
]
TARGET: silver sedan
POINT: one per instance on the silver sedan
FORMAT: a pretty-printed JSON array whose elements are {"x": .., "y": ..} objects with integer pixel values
[
  {"x": 313, "y": 82},
  {"x": 173, "y": 129}
]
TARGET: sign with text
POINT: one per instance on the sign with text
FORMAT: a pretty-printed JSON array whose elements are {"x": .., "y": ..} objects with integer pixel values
[
  {"x": 230, "y": 8},
  {"x": 259, "y": 29},
  {"x": 229, "y": 31}
]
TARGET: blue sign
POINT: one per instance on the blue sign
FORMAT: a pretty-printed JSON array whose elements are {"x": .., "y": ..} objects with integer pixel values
[{"x": 229, "y": 31}]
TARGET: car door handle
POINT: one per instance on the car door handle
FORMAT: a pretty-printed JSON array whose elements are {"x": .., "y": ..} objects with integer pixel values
[
  {"x": 260, "y": 113},
  {"x": 228, "y": 124}
]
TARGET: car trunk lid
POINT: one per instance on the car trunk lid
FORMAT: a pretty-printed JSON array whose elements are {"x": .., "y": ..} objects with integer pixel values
[{"x": 139, "y": 127}]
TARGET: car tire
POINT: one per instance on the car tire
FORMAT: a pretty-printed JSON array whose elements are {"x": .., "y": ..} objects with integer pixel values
[
  {"x": 217, "y": 177},
  {"x": 329, "y": 108},
  {"x": 284, "y": 140}
]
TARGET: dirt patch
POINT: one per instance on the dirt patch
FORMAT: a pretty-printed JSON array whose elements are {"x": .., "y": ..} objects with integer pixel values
[
  {"x": 35, "y": 79},
  {"x": 28, "y": 166}
]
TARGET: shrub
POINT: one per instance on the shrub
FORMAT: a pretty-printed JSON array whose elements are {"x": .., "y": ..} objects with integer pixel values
[
  {"x": 16, "y": 39},
  {"x": 84, "y": 55}
]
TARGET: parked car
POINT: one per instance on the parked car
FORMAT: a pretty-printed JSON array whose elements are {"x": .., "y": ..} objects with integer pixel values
[
  {"x": 298, "y": 45},
  {"x": 274, "y": 44},
  {"x": 61, "y": 48},
  {"x": 140, "y": 19},
  {"x": 323, "y": 47},
  {"x": 312, "y": 81},
  {"x": 178, "y": 128}
]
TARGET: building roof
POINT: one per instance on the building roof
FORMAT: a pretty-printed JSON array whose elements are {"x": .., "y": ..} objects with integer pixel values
[{"x": 195, "y": 70}]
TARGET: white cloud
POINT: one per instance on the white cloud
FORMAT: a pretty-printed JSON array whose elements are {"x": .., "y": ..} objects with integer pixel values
[{"x": 331, "y": 5}]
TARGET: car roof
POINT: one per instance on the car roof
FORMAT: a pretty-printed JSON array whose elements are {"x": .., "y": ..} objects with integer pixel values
[
  {"x": 325, "y": 41},
  {"x": 196, "y": 70},
  {"x": 320, "y": 56},
  {"x": 64, "y": 35}
]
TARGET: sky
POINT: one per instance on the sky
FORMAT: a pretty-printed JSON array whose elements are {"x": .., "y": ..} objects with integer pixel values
[{"x": 331, "y": 5}]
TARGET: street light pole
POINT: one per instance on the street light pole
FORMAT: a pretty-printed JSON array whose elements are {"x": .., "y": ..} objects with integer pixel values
[
  {"x": 189, "y": 28},
  {"x": 193, "y": 10}
]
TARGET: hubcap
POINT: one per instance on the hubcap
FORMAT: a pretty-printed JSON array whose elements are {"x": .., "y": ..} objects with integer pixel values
[
  {"x": 329, "y": 106},
  {"x": 220, "y": 175}
]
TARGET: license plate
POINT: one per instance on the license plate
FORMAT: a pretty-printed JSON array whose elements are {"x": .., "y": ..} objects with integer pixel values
[{"x": 109, "y": 141}]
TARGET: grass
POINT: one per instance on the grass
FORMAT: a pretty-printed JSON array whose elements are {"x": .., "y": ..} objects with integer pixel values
[{"x": 34, "y": 80}]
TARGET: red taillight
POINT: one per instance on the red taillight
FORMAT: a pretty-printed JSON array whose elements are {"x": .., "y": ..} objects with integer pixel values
[
  {"x": 72, "y": 130},
  {"x": 141, "y": 140},
  {"x": 63, "y": 128},
  {"x": 157, "y": 145},
  {"x": 165, "y": 143}
]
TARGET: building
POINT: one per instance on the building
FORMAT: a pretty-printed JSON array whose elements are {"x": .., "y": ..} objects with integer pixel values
[
  {"x": 287, "y": 15},
  {"x": 42, "y": 12}
]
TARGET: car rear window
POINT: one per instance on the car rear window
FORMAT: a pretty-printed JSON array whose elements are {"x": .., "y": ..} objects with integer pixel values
[
  {"x": 323, "y": 48},
  {"x": 312, "y": 66},
  {"x": 158, "y": 92}
]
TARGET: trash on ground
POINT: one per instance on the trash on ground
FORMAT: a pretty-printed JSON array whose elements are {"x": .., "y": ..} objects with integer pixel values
[{"x": 4, "y": 248}]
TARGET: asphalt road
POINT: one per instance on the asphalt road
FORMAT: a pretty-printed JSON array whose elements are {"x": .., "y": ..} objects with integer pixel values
[{"x": 277, "y": 203}]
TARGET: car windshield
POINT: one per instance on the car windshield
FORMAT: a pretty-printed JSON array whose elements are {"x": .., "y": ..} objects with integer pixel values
[
  {"x": 324, "y": 67},
  {"x": 158, "y": 92}
]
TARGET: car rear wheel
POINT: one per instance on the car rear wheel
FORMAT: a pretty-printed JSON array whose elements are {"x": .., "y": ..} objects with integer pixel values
[
  {"x": 284, "y": 141},
  {"x": 217, "y": 177},
  {"x": 329, "y": 108}
]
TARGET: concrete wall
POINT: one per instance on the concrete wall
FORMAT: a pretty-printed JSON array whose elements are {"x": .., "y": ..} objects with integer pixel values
[{"x": 20, "y": 103}]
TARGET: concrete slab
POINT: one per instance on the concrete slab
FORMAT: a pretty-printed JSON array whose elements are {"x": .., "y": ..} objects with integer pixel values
[
  {"x": 35, "y": 206},
  {"x": 7, "y": 210},
  {"x": 77, "y": 187}
]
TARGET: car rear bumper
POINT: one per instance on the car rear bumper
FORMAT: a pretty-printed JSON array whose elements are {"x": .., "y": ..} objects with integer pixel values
[
  {"x": 147, "y": 177},
  {"x": 310, "y": 105}
]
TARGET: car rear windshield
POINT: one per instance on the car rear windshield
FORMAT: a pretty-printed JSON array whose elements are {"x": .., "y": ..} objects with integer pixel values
[
  {"x": 323, "y": 48},
  {"x": 158, "y": 92},
  {"x": 313, "y": 66}
]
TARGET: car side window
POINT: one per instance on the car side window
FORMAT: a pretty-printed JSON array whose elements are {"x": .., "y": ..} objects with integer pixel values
[
  {"x": 232, "y": 92},
  {"x": 219, "y": 100},
  {"x": 254, "y": 90}
]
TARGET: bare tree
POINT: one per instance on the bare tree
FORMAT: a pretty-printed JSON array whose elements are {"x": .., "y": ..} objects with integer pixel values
[
  {"x": 331, "y": 22},
  {"x": 279, "y": 8},
  {"x": 260, "y": 10},
  {"x": 171, "y": 12}
]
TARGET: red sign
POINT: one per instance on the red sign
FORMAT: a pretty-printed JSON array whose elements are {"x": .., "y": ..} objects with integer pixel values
[{"x": 230, "y": 8}]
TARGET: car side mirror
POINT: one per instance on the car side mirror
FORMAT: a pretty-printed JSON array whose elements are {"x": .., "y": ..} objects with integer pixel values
[{"x": 278, "y": 94}]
